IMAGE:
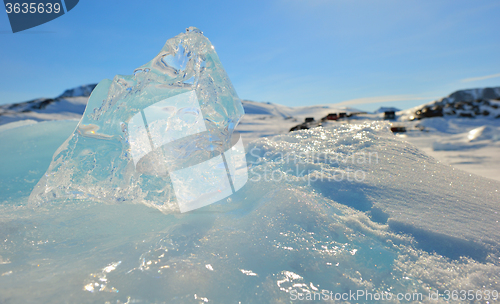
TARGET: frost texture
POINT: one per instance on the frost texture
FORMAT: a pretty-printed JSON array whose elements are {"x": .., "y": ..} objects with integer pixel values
[{"x": 109, "y": 157}]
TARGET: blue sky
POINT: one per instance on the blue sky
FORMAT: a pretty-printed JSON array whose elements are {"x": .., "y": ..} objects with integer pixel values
[{"x": 363, "y": 54}]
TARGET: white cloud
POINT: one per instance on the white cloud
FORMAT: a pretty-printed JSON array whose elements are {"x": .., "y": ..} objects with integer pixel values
[
  {"x": 480, "y": 78},
  {"x": 379, "y": 99}
]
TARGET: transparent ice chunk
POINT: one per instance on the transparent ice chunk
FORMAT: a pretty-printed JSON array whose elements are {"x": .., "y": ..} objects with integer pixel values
[{"x": 142, "y": 134}]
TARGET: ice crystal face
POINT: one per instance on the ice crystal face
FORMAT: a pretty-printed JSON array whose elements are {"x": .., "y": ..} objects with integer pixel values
[{"x": 162, "y": 136}]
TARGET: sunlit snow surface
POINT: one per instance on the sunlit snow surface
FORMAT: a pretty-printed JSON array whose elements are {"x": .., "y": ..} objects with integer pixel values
[{"x": 401, "y": 227}]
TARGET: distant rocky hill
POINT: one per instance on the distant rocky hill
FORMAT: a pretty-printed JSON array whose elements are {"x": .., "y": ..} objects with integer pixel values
[
  {"x": 84, "y": 91},
  {"x": 464, "y": 103},
  {"x": 69, "y": 105}
]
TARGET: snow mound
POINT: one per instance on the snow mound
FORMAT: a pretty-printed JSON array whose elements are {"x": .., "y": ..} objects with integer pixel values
[
  {"x": 484, "y": 133},
  {"x": 399, "y": 168},
  {"x": 476, "y": 138}
]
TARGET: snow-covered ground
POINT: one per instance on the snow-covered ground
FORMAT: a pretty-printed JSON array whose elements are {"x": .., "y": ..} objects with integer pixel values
[
  {"x": 472, "y": 145},
  {"x": 469, "y": 144},
  {"x": 349, "y": 208},
  {"x": 268, "y": 119}
]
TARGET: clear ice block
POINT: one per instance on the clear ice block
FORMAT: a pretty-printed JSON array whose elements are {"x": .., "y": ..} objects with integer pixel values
[{"x": 161, "y": 136}]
